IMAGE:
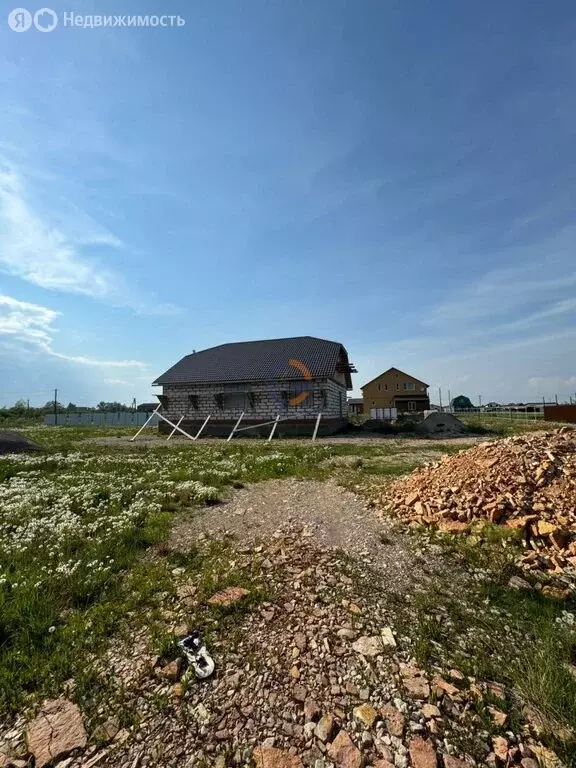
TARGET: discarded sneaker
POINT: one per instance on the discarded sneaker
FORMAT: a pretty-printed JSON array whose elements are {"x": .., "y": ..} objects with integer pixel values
[{"x": 198, "y": 657}]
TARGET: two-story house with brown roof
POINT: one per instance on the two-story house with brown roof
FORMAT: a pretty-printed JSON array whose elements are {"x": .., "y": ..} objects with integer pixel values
[{"x": 395, "y": 389}]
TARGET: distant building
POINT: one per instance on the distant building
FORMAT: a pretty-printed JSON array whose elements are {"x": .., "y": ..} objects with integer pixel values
[
  {"x": 355, "y": 406},
  {"x": 395, "y": 389}
]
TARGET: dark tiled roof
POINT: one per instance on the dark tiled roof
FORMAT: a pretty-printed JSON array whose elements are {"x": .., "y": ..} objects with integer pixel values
[{"x": 261, "y": 361}]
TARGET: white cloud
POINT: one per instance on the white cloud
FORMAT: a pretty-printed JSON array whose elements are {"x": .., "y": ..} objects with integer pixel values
[
  {"x": 53, "y": 256},
  {"x": 117, "y": 382},
  {"x": 37, "y": 252},
  {"x": 32, "y": 325}
]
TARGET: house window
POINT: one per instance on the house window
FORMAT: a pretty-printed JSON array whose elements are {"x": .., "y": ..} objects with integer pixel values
[
  {"x": 219, "y": 399},
  {"x": 193, "y": 401},
  {"x": 386, "y": 387},
  {"x": 411, "y": 405},
  {"x": 397, "y": 387},
  {"x": 409, "y": 385}
]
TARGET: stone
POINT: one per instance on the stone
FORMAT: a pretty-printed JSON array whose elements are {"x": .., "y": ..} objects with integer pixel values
[
  {"x": 417, "y": 687},
  {"x": 431, "y": 710},
  {"x": 546, "y": 757},
  {"x": 344, "y": 753},
  {"x": 445, "y": 686},
  {"x": 365, "y": 714},
  {"x": 299, "y": 693},
  {"x": 172, "y": 670},
  {"x": 422, "y": 753},
  {"x": 500, "y": 747},
  {"x": 295, "y": 672},
  {"x": 453, "y": 762},
  {"x": 228, "y": 596},
  {"x": 55, "y": 732},
  {"x": 311, "y": 710},
  {"x": 498, "y": 718},
  {"x": 300, "y": 641},
  {"x": 529, "y": 762},
  {"x": 382, "y": 764},
  {"x": 271, "y": 757},
  {"x": 515, "y": 582},
  {"x": 388, "y": 638},
  {"x": 325, "y": 727},
  {"x": 368, "y": 646},
  {"x": 395, "y": 721},
  {"x": 544, "y": 528}
]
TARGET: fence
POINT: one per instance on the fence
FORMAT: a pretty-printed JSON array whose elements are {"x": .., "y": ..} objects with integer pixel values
[
  {"x": 100, "y": 419},
  {"x": 501, "y": 413},
  {"x": 383, "y": 413}
]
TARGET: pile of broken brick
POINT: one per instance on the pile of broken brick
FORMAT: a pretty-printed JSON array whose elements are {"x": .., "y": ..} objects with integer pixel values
[{"x": 526, "y": 482}]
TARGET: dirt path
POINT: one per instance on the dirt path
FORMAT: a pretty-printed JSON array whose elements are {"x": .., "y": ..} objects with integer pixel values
[{"x": 325, "y": 515}]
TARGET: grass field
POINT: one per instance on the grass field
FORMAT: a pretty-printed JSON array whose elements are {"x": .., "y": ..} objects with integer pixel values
[{"x": 76, "y": 521}]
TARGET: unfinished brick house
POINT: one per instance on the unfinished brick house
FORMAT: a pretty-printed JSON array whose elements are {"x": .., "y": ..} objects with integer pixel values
[{"x": 293, "y": 378}]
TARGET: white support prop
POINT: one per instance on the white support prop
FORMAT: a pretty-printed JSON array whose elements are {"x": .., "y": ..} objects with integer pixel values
[
  {"x": 231, "y": 435},
  {"x": 180, "y": 420},
  {"x": 206, "y": 420},
  {"x": 316, "y": 427},
  {"x": 148, "y": 420},
  {"x": 175, "y": 426},
  {"x": 276, "y": 420},
  {"x": 254, "y": 426}
]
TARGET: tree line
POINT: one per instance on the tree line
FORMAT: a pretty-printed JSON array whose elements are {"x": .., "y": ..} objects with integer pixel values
[{"x": 22, "y": 412}]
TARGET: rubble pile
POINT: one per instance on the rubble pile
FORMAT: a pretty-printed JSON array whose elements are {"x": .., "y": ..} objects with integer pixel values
[{"x": 525, "y": 482}]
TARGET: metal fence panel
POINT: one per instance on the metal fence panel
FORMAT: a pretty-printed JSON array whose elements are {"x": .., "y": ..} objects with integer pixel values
[{"x": 100, "y": 419}]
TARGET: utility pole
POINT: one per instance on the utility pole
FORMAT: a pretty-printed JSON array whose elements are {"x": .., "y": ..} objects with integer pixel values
[
  {"x": 55, "y": 407},
  {"x": 440, "y": 397},
  {"x": 480, "y": 401},
  {"x": 27, "y": 405},
  {"x": 556, "y": 398}
]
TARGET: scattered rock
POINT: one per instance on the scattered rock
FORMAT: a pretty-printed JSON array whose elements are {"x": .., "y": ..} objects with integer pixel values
[
  {"x": 516, "y": 582},
  {"x": 500, "y": 747},
  {"x": 228, "y": 596},
  {"x": 344, "y": 753},
  {"x": 395, "y": 721},
  {"x": 270, "y": 757},
  {"x": 498, "y": 718},
  {"x": 325, "y": 727},
  {"x": 453, "y": 762},
  {"x": 55, "y": 732},
  {"x": 311, "y": 710},
  {"x": 388, "y": 638},
  {"x": 422, "y": 753},
  {"x": 368, "y": 646},
  {"x": 365, "y": 714},
  {"x": 431, "y": 710},
  {"x": 172, "y": 671}
]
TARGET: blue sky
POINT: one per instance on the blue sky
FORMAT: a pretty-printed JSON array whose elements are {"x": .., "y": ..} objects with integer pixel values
[{"x": 396, "y": 176}]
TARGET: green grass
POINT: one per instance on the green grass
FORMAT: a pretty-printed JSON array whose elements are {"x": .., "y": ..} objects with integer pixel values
[
  {"x": 76, "y": 567},
  {"x": 503, "y": 426},
  {"x": 492, "y": 632}
]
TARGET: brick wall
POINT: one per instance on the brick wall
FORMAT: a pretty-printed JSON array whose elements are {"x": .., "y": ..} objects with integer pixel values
[{"x": 268, "y": 400}]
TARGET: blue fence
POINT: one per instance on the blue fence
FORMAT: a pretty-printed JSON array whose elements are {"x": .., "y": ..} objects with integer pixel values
[{"x": 100, "y": 419}]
